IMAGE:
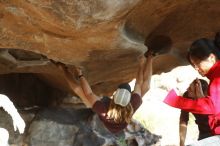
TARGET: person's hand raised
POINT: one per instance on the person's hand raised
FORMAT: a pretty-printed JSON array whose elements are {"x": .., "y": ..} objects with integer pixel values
[
  {"x": 191, "y": 91},
  {"x": 198, "y": 89},
  {"x": 195, "y": 90}
]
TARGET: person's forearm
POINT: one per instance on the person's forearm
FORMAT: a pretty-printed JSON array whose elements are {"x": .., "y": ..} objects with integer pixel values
[
  {"x": 76, "y": 88},
  {"x": 88, "y": 91},
  {"x": 85, "y": 86},
  {"x": 137, "y": 87},
  {"x": 139, "y": 78},
  {"x": 183, "y": 122},
  {"x": 199, "y": 106},
  {"x": 148, "y": 69},
  {"x": 139, "y": 75},
  {"x": 147, "y": 74},
  {"x": 182, "y": 133}
]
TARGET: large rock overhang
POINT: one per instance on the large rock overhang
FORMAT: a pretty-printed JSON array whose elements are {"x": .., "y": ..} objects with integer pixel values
[{"x": 104, "y": 37}]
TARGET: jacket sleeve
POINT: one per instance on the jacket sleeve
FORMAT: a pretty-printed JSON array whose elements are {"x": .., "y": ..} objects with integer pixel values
[
  {"x": 199, "y": 106},
  {"x": 214, "y": 92}
]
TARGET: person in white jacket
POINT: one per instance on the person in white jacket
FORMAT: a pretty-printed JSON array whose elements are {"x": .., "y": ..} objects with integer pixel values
[{"x": 18, "y": 122}]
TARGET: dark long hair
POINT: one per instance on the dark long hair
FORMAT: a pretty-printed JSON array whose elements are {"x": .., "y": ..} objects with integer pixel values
[{"x": 202, "y": 48}]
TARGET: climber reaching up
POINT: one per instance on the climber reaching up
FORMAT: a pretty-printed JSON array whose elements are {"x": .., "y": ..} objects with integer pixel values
[{"x": 115, "y": 112}]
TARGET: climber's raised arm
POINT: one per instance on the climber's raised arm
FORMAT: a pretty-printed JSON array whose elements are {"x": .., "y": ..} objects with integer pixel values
[
  {"x": 92, "y": 97},
  {"x": 72, "y": 82}
]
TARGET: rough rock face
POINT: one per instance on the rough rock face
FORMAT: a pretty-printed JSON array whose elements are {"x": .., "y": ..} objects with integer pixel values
[
  {"x": 68, "y": 127},
  {"x": 104, "y": 37}
]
